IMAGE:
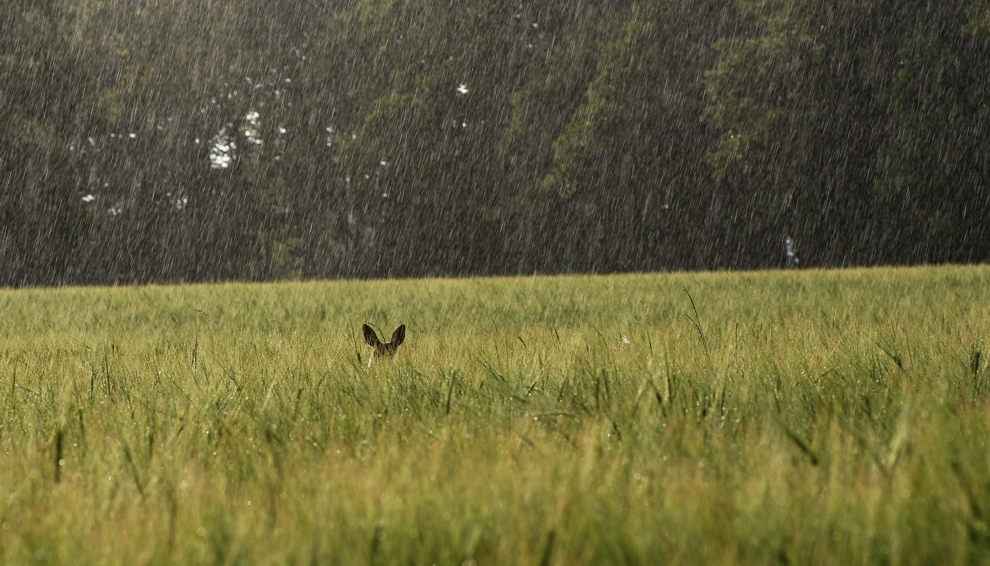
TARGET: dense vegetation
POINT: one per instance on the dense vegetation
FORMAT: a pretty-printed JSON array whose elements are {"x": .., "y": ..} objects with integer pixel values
[
  {"x": 797, "y": 417},
  {"x": 181, "y": 140}
]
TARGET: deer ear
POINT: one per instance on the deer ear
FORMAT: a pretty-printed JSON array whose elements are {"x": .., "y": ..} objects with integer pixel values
[
  {"x": 399, "y": 336},
  {"x": 370, "y": 337}
]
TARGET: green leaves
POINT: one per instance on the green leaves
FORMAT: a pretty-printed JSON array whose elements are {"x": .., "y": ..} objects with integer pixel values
[
  {"x": 273, "y": 139},
  {"x": 824, "y": 109}
]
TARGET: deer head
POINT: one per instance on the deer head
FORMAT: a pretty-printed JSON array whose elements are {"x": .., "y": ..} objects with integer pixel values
[{"x": 384, "y": 349}]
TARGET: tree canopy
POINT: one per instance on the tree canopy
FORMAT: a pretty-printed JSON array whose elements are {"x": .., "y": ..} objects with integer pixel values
[{"x": 178, "y": 140}]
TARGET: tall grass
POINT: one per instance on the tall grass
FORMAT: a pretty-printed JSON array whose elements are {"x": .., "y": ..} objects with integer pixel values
[{"x": 789, "y": 417}]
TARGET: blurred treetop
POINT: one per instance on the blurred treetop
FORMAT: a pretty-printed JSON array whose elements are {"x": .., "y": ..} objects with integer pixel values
[{"x": 178, "y": 140}]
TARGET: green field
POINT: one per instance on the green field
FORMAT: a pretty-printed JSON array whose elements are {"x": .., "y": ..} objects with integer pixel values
[{"x": 837, "y": 417}]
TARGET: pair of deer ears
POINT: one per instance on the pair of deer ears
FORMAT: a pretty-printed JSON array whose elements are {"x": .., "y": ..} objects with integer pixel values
[{"x": 371, "y": 337}]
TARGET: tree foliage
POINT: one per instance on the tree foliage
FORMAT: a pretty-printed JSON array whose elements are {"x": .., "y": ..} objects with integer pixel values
[
  {"x": 853, "y": 125},
  {"x": 180, "y": 140}
]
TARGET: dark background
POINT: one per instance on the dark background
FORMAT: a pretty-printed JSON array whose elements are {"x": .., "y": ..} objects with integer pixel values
[{"x": 182, "y": 140}]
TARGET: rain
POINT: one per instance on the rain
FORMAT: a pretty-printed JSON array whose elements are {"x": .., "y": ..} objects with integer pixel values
[
  {"x": 187, "y": 141},
  {"x": 371, "y": 162}
]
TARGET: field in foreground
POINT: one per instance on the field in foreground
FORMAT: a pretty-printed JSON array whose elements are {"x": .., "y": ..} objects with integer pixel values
[{"x": 791, "y": 417}]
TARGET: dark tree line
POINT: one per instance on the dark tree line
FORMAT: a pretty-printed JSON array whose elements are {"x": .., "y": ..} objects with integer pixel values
[{"x": 179, "y": 140}]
